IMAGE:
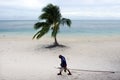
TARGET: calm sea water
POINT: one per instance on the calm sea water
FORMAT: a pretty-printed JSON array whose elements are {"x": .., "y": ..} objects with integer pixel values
[{"x": 78, "y": 27}]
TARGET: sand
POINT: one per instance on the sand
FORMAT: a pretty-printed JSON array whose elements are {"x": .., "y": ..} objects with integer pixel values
[{"x": 22, "y": 58}]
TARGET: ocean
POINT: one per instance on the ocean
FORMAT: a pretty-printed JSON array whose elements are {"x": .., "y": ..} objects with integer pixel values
[{"x": 78, "y": 28}]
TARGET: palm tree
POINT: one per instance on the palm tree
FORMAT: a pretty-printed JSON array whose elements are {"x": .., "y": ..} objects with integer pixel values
[{"x": 51, "y": 19}]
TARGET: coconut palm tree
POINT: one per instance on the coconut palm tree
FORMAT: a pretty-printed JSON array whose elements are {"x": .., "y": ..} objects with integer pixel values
[{"x": 51, "y": 19}]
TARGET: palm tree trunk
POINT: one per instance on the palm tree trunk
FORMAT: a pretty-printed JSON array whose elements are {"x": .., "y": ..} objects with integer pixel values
[{"x": 55, "y": 43}]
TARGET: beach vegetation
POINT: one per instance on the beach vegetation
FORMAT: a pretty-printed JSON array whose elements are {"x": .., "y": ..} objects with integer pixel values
[{"x": 50, "y": 19}]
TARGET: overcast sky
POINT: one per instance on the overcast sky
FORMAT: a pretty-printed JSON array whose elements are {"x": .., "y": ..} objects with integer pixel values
[{"x": 73, "y": 9}]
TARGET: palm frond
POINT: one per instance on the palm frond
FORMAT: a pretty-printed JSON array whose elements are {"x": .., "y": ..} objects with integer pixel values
[
  {"x": 66, "y": 21},
  {"x": 36, "y": 35},
  {"x": 47, "y": 17},
  {"x": 51, "y": 13},
  {"x": 44, "y": 16},
  {"x": 43, "y": 31},
  {"x": 38, "y": 25},
  {"x": 48, "y": 8}
]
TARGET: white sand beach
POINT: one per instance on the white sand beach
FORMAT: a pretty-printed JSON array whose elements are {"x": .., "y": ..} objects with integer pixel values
[{"x": 22, "y": 58}]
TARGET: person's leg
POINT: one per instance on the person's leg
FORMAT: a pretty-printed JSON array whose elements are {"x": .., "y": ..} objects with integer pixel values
[
  {"x": 69, "y": 73},
  {"x": 65, "y": 69},
  {"x": 60, "y": 73}
]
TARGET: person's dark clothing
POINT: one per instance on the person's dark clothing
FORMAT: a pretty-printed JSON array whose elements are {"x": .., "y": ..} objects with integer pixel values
[{"x": 63, "y": 61}]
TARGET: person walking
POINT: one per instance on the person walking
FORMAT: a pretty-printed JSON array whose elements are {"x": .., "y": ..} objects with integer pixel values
[{"x": 63, "y": 65}]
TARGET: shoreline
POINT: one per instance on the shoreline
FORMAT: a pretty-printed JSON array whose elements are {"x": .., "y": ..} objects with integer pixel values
[{"x": 65, "y": 38}]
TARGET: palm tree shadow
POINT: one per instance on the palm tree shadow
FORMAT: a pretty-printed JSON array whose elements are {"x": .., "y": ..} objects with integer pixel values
[
  {"x": 54, "y": 46},
  {"x": 39, "y": 49}
]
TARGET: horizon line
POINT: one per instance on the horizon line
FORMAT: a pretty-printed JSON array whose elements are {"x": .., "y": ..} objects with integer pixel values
[{"x": 38, "y": 20}]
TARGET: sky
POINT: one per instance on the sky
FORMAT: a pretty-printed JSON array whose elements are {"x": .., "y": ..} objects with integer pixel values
[{"x": 73, "y": 9}]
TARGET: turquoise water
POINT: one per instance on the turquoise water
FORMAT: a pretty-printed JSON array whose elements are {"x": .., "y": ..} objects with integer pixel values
[{"x": 78, "y": 27}]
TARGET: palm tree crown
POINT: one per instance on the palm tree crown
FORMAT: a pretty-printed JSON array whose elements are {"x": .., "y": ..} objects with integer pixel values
[{"x": 51, "y": 19}]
